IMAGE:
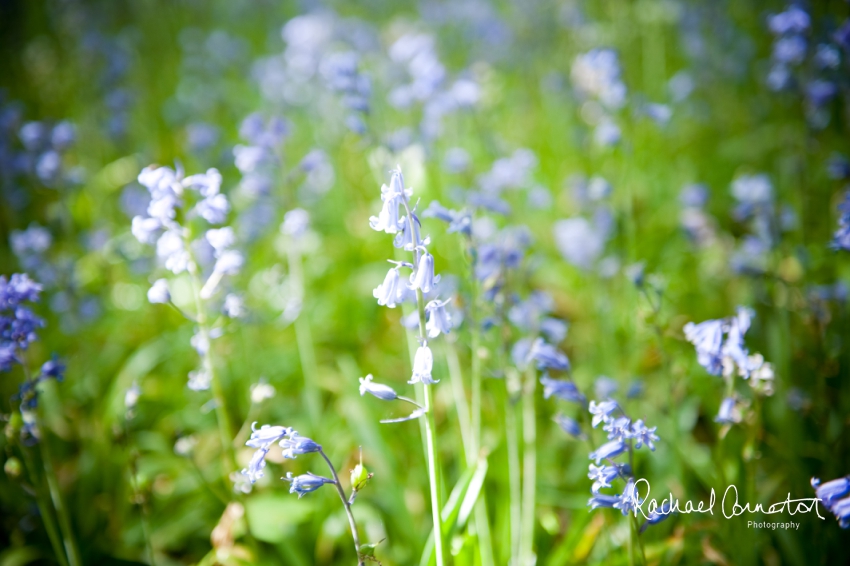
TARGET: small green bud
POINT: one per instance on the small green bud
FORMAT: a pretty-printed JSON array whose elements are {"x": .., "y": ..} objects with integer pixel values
[
  {"x": 13, "y": 467},
  {"x": 359, "y": 476}
]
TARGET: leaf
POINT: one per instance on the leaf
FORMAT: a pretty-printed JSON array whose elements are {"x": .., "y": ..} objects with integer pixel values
[
  {"x": 457, "y": 509},
  {"x": 272, "y": 516}
]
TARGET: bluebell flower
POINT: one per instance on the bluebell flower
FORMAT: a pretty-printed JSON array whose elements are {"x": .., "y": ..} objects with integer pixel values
[
  {"x": 790, "y": 50},
  {"x": 657, "y": 516},
  {"x": 7, "y": 356},
  {"x": 145, "y": 229},
  {"x": 439, "y": 319},
  {"x": 213, "y": 209},
  {"x": 562, "y": 389},
  {"x": 728, "y": 413},
  {"x": 548, "y": 356},
  {"x": 423, "y": 362},
  {"x": 388, "y": 219},
  {"x": 618, "y": 428},
  {"x": 305, "y": 483},
  {"x": 267, "y": 435},
  {"x": 596, "y": 74},
  {"x": 379, "y": 390},
  {"x": 607, "y": 133},
  {"x": 171, "y": 249},
  {"x": 487, "y": 201},
  {"x": 392, "y": 291},
  {"x": 628, "y": 499},
  {"x": 832, "y": 491},
  {"x": 707, "y": 337},
  {"x": 601, "y": 411},
  {"x": 602, "y": 476},
  {"x": 569, "y": 425},
  {"x": 207, "y": 184},
  {"x": 602, "y": 500},
  {"x": 608, "y": 450},
  {"x": 643, "y": 435},
  {"x": 296, "y": 222},
  {"x": 554, "y": 329},
  {"x": 52, "y": 369},
  {"x": 457, "y": 221},
  {"x": 234, "y": 306},
  {"x": 158, "y": 293},
  {"x": 408, "y": 239},
  {"x": 297, "y": 445},
  {"x": 423, "y": 278},
  {"x": 841, "y": 238},
  {"x": 254, "y": 471},
  {"x": 841, "y": 510},
  {"x": 580, "y": 242},
  {"x": 793, "y": 20}
]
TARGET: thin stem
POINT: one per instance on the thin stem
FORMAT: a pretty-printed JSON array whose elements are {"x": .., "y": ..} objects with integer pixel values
[
  {"x": 408, "y": 400},
  {"x": 45, "y": 511},
  {"x": 511, "y": 435},
  {"x": 430, "y": 425},
  {"x": 72, "y": 554},
  {"x": 222, "y": 415},
  {"x": 304, "y": 338},
  {"x": 529, "y": 476},
  {"x": 433, "y": 479},
  {"x": 56, "y": 496},
  {"x": 146, "y": 529},
  {"x": 345, "y": 503}
]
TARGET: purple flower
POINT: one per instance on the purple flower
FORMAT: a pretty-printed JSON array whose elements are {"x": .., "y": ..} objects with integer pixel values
[
  {"x": 562, "y": 389},
  {"x": 608, "y": 450},
  {"x": 297, "y": 445},
  {"x": 423, "y": 278},
  {"x": 601, "y": 411},
  {"x": 423, "y": 362},
  {"x": 305, "y": 483},
  {"x": 439, "y": 319},
  {"x": 379, "y": 390},
  {"x": 830, "y": 492}
]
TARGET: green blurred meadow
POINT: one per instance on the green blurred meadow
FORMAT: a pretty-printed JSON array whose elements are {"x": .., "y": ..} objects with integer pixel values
[{"x": 145, "y": 482}]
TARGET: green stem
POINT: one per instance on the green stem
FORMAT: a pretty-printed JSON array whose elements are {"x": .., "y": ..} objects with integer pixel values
[
  {"x": 222, "y": 416},
  {"x": 515, "y": 488},
  {"x": 71, "y": 554},
  {"x": 146, "y": 528},
  {"x": 304, "y": 338},
  {"x": 345, "y": 503},
  {"x": 529, "y": 476},
  {"x": 45, "y": 510},
  {"x": 431, "y": 447},
  {"x": 56, "y": 496}
]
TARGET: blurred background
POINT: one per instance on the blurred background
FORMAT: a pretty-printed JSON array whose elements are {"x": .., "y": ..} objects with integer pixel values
[{"x": 652, "y": 163}]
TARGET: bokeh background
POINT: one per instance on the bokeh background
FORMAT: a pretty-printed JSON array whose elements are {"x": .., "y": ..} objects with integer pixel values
[{"x": 487, "y": 106}]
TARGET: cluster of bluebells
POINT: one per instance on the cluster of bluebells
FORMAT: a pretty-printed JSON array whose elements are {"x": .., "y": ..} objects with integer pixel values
[
  {"x": 581, "y": 241},
  {"x": 258, "y": 160},
  {"x": 721, "y": 351},
  {"x": 841, "y": 239},
  {"x": 696, "y": 222},
  {"x": 292, "y": 445},
  {"x": 624, "y": 436},
  {"x": 835, "y": 496},
  {"x": 789, "y": 29},
  {"x": 755, "y": 206},
  {"x": 398, "y": 217},
  {"x": 321, "y": 62},
  {"x": 597, "y": 80},
  {"x": 176, "y": 201},
  {"x": 18, "y": 327},
  {"x": 817, "y": 72},
  {"x": 425, "y": 81},
  {"x": 33, "y": 152}
]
